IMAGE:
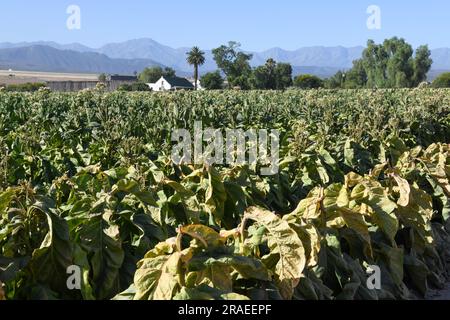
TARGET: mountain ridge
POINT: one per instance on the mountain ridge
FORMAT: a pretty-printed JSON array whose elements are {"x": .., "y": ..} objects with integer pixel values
[
  {"x": 46, "y": 58},
  {"x": 136, "y": 53}
]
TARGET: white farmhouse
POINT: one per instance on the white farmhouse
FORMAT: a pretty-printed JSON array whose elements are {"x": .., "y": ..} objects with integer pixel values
[{"x": 171, "y": 84}]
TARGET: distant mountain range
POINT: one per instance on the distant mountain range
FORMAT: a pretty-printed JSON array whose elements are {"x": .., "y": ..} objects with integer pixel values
[
  {"x": 134, "y": 55},
  {"x": 45, "y": 58}
]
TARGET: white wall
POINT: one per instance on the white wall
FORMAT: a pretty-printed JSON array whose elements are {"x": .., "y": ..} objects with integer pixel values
[{"x": 160, "y": 85}]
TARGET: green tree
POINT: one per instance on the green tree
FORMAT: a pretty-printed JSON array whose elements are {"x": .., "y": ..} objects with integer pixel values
[
  {"x": 334, "y": 82},
  {"x": 102, "y": 77},
  {"x": 136, "y": 86},
  {"x": 308, "y": 81},
  {"x": 272, "y": 76},
  {"x": 235, "y": 64},
  {"x": 283, "y": 74},
  {"x": 442, "y": 81},
  {"x": 212, "y": 81},
  {"x": 392, "y": 64},
  {"x": 422, "y": 65},
  {"x": 354, "y": 78},
  {"x": 259, "y": 78},
  {"x": 195, "y": 58},
  {"x": 153, "y": 74}
]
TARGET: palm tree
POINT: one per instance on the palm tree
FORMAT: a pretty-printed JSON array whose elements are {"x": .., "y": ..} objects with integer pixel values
[{"x": 195, "y": 58}]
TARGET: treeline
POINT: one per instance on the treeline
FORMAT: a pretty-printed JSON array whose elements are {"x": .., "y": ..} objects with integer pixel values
[
  {"x": 392, "y": 64},
  {"x": 235, "y": 65}
]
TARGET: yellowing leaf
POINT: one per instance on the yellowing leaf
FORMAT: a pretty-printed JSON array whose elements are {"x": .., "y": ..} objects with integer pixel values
[
  {"x": 206, "y": 235},
  {"x": 310, "y": 238},
  {"x": 405, "y": 190},
  {"x": 309, "y": 208},
  {"x": 157, "y": 278},
  {"x": 283, "y": 239}
]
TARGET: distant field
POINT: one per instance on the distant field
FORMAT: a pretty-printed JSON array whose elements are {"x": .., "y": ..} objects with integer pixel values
[{"x": 30, "y": 76}]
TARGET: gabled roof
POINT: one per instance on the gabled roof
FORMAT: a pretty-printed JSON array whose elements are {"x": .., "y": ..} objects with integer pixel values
[{"x": 179, "y": 82}]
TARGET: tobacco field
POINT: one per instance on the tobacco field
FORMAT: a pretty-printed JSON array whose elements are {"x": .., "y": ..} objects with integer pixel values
[{"x": 86, "y": 180}]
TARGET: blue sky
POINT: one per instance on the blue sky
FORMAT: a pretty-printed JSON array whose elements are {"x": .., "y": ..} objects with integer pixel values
[{"x": 257, "y": 24}]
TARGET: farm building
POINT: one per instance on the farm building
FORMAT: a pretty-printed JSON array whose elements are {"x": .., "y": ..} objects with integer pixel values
[
  {"x": 112, "y": 83},
  {"x": 171, "y": 84}
]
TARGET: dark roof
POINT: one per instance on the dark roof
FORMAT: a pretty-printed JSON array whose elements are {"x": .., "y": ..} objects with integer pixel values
[
  {"x": 117, "y": 77},
  {"x": 179, "y": 82}
]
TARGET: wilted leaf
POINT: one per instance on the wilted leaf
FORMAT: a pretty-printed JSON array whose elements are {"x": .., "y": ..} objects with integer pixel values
[
  {"x": 309, "y": 208},
  {"x": 404, "y": 188},
  {"x": 207, "y": 236},
  {"x": 285, "y": 242}
]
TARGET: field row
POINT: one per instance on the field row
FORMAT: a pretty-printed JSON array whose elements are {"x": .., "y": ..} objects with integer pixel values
[{"x": 87, "y": 183}]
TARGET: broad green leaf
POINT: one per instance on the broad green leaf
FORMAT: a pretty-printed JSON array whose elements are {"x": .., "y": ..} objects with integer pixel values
[
  {"x": 49, "y": 263},
  {"x": 393, "y": 257},
  {"x": 417, "y": 272},
  {"x": 216, "y": 195},
  {"x": 100, "y": 239},
  {"x": 10, "y": 267},
  {"x": 5, "y": 199},
  {"x": 81, "y": 260}
]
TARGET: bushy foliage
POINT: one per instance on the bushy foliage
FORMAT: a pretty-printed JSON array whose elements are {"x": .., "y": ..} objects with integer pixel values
[
  {"x": 442, "y": 81},
  {"x": 25, "y": 87},
  {"x": 212, "y": 81},
  {"x": 86, "y": 180},
  {"x": 307, "y": 81}
]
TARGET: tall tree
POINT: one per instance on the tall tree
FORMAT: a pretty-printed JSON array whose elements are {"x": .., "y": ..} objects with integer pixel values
[
  {"x": 422, "y": 64},
  {"x": 356, "y": 77},
  {"x": 272, "y": 76},
  {"x": 391, "y": 64},
  {"x": 235, "y": 64},
  {"x": 283, "y": 75},
  {"x": 212, "y": 81},
  {"x": 196, "y": 58}
]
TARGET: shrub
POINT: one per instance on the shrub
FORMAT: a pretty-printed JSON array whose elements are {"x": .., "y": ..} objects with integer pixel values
[
  {"x": 443, "y": 81},
  {"x": 308, "y": 81},
  {"x": 25, "y": 87}
]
